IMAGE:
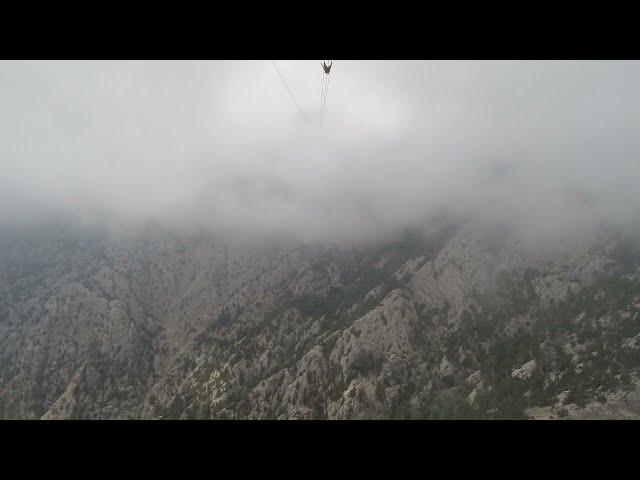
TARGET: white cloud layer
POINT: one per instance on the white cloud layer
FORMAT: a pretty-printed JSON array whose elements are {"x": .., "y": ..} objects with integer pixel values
[{"x": 552, "y": 147}]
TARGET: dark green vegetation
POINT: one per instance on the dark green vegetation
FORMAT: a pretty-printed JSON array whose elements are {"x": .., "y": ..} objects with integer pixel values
[
  {"x": 581, "y": 346},
  {"x": 178, "y": 328}
]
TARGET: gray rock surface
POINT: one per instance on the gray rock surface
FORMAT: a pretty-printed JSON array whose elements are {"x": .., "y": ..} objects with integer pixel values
[{"x": 160, "y": 325}]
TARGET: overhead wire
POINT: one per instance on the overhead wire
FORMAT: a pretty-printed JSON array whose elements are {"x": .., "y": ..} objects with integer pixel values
[
  {"x": 326, "y": 94},
  {"x": 323, "y": 94},
  {"x": 288, "y": 89}
]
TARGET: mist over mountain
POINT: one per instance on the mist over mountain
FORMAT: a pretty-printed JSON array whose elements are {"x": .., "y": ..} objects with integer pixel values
[
  {"x": 549, "y": 147},
  {"x": 457, "y": 239}
]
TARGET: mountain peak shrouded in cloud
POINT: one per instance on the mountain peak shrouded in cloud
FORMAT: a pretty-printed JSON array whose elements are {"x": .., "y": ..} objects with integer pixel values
[{"x": 543, "y": 145}]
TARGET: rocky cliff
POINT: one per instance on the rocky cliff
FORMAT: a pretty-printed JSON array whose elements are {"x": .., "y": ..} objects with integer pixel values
[{"x": 463, "y": 322}]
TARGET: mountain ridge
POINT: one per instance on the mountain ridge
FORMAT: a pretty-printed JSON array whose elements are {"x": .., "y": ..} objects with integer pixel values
[{"x": 459, "y": 323}]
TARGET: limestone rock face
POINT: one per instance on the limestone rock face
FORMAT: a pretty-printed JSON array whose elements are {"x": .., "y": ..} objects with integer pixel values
[
  {"x": 475, "y": 378},
  {"x": 164, "y": 325},
  {"x": 525, "y": 371}
]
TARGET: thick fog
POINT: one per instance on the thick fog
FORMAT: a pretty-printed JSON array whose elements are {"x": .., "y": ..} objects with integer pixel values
[{"x": 550, "y": 147}]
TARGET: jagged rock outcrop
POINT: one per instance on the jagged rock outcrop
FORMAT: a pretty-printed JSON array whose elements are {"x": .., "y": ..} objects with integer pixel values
[
  {"x": 462, "y": 324},
  {"x": 525, "y": 371}
]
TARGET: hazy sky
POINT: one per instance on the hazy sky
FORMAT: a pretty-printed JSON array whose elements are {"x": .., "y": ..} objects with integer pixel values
[{"x": 552, "y": 146}]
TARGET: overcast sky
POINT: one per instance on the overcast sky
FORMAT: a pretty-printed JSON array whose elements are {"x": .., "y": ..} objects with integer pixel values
[{"x": 550, "y": 146}]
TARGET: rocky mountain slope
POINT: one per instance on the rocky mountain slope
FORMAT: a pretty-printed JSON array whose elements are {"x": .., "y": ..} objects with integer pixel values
[{"x": 460, "y": 323}]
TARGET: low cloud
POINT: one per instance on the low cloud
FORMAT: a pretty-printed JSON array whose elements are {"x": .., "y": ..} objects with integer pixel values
[{"x": 549, "y": 147}]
